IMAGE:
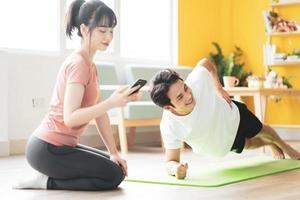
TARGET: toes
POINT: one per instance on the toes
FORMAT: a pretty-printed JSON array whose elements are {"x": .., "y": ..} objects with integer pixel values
[
  {"x": 279, "y": 156},
  {"x": 277, "y": 152},
  {"x": 297, "y": 157}
]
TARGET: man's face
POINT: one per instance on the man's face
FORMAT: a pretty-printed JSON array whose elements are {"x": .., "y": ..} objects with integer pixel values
[{"x": 181, "y": 97}]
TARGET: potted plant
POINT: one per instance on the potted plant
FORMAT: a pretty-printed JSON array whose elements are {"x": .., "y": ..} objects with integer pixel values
[{"x": 229, "y": 69}]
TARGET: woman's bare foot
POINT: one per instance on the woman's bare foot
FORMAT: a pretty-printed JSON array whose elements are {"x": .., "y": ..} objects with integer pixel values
[{"x": 277, "y": 152}]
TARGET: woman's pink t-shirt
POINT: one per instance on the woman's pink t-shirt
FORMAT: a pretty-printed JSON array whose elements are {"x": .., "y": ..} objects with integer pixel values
[{"x": 53, "y": 129}]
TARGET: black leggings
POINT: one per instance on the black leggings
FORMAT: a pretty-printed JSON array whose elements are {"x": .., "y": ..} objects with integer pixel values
[{"x": 73, "y": 168}]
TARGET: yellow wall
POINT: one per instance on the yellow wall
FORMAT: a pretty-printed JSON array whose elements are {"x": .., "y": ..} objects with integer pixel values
[
  {"x": 238, "y": 22},
  {"x": 200, "y": 23}
]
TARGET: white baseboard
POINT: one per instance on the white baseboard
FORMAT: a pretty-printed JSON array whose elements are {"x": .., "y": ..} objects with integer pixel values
[
  {"x": 17, "y": 146},
  {"x": 4, "y": 148},
  {"x": 287, "y": 132}
]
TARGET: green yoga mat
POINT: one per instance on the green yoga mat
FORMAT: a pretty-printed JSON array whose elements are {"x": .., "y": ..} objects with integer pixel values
[{"x": 219, "y": 174}]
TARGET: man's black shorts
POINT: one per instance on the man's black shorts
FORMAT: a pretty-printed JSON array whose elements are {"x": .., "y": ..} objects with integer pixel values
[{"x": 249, "y": 127}]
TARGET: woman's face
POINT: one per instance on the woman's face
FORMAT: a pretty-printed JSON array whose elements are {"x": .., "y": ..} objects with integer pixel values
[{"x": 101, "y": 38}]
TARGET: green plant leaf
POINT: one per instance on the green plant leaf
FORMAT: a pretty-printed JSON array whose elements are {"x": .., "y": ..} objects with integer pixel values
[{"x": 230, "y": 66}]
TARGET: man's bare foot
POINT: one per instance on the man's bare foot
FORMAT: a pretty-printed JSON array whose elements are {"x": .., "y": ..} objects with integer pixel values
[
  {"x": 286, "y": 148},
  {"x": 277, "y": 152},
  {"x": 292, "y": 153}
]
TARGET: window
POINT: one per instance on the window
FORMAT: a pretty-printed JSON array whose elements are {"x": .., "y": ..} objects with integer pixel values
[
  {"x": 30, "y": 24},
  {"x": 145, "y": 29}
]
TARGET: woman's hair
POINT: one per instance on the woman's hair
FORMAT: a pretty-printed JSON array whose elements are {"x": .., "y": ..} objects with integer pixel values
[
  {"x": 92, "y": 13},
  {"x": 160, "y": 86}
]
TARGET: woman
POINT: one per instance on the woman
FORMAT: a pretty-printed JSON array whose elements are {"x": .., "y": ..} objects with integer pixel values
[{"x": 53, "y": 149}]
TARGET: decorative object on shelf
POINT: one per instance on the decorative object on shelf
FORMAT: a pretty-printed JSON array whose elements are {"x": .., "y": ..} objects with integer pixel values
[
  {"x": 275, "y": 23},
  {"x": 285, "y": 81},
  {"x": 281, "y": 25},
  {"x": 230, "y": 81},
  {"x": 280, "y": 58},
  {"x": 296, "y": 52},
  {"x": 277, "y": 57},
  {"x": 273, "y": 80},
  {"x": 268, "y": 24},
  {"x": 230, "y": 66},
  {"x": 269, "y": 52},
  {"x": 255, "y": 81},
  {"x": 292, "y": 58}
]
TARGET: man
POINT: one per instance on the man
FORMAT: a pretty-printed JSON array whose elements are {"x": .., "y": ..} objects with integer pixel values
[{"x": 200, "y": 113}]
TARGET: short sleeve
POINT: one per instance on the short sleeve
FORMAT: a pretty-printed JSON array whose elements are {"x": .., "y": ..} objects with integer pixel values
[
  {"x": 200, "y": 76},
  {"x": 78, "y": 73},
  {"x": 169, "y": 140}
]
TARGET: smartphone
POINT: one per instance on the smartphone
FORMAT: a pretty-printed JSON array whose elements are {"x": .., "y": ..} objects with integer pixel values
[{"x": 139, "y": 82}]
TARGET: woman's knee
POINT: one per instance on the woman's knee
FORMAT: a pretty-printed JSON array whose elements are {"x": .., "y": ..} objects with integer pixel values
[
  {"x": 114, "y": 174},
  {"x": 117, "y": 180},
  {"x": 118, "y": 176}
]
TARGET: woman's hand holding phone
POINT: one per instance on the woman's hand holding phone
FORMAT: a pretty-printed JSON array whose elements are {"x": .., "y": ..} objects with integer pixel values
[
  {"x": 123, "y": 95},
  {"x": 139, "y": 82}
]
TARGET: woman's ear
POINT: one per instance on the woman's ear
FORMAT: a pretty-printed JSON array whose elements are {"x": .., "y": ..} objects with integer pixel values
[{"x": 84, "y": 30}]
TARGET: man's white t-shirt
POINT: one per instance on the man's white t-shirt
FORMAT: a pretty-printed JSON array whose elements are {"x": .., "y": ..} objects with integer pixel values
[{"x": 211, "y": 127}]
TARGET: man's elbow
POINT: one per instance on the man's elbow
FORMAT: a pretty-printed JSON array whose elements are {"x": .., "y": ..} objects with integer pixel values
[{"x": 204, "y": 62}]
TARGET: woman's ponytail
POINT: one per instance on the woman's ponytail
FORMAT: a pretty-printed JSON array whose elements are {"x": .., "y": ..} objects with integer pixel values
[{"x": 72, "y": 21}]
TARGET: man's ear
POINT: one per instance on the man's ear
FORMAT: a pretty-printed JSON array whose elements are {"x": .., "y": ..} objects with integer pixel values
[
  {"x": 172, "y": 109},
  {"x": 169, "y": 108},
  {"x": 166, "y": 107}
]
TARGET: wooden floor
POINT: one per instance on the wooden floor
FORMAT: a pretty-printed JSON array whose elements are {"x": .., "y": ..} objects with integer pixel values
[{"x": 280, "y": 186}]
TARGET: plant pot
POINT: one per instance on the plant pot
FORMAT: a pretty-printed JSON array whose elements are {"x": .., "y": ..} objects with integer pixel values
[{"x": 230, "y": 81}]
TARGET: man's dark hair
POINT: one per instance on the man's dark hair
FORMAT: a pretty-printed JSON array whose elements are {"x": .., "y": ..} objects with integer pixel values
[{"x": 160, "y": 86}]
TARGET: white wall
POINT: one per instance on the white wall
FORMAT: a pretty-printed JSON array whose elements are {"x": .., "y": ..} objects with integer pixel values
[
  {"x": 4, "y": 143},
  {"x": 3, "y": 97},
  {"x": 24, "y": 77},
  {"x": 29, "y": 77}
]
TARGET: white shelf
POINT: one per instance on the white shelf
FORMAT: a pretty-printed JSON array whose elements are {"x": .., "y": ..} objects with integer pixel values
[
  {"x": 286, "y": 3},
  {"x": 283, "y": 34},
  {"x": 284, "y": 63}
]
